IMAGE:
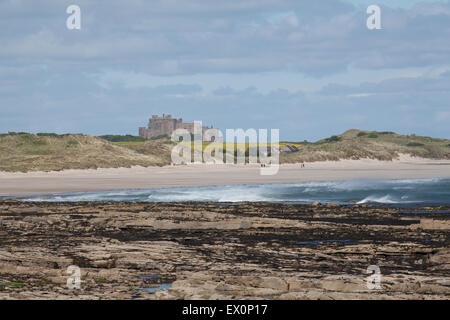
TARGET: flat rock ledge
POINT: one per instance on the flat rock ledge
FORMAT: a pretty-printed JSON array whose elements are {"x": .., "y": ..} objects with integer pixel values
[{"x": 203, "y": 250}]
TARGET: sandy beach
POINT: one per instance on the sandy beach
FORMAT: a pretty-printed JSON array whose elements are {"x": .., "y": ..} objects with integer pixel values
[{"x": 204, "y": 175}]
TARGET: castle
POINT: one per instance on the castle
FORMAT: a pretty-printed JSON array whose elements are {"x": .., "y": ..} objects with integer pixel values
[{"x": 165, "y": 125}]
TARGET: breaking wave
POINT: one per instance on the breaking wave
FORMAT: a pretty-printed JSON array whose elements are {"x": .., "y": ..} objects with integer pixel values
[
  {"x": 384, "y": 199},
  {"x": 395, "y": 192}
]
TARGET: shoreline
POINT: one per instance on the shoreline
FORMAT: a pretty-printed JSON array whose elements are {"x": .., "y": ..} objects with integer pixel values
[{"x": 135, "y": 178}]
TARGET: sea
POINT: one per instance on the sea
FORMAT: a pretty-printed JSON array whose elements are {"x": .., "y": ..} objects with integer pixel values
[{"x": 398, "y": 192}]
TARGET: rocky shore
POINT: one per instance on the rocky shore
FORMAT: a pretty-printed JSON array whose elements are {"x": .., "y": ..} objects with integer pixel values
[{"x": 195, "y": 250}]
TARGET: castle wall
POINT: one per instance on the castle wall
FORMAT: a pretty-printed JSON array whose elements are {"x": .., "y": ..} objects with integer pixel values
[{"x": 165, "y": 125}]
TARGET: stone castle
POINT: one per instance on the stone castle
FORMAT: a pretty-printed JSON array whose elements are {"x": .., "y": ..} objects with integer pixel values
[{"x": 165, "y": 125}]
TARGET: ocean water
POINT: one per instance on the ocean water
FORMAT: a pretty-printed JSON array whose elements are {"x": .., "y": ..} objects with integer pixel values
[{"x": 405, "y": 192}]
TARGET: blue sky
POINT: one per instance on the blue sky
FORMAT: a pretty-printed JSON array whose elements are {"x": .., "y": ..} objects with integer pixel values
[{"x": 310, "y": 68}]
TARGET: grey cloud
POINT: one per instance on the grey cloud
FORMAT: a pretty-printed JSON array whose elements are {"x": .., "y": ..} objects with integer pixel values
[
  {"x": 222, "y": 36},
  {"x": 51, "y": 77},
  {"x": 94, "y": 110},
  {"x": 395, "y": 85}
]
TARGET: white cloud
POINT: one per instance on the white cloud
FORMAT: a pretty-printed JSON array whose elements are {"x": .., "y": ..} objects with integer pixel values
[
  {"x": 166, "y": 38},
  {"x": 359, "y": 95},
  {"x": 301, "y": 63}
]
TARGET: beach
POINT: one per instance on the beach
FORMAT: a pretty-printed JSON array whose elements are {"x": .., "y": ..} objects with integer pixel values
[
  {"x": 212, "y": 175},
  {"x": 176, "y": 244}
]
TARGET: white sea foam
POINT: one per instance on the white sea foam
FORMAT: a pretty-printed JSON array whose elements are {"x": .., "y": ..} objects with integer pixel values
[
  {"x": 388, "y": 199},
  {"x": 376, "y": 191}
]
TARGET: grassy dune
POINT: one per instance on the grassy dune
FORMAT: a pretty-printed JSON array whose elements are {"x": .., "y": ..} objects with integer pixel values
[
  {"x": 50, "y": 152},
  {"x": 23, "y": 152},
  {"x": 160, "y": 148},
  {"x": 353, "y": 144},
  {"x": 358, "y": 144}
]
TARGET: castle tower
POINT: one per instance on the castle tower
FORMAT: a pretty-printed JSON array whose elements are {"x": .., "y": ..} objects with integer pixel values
[{"x": 165, "y": 125}]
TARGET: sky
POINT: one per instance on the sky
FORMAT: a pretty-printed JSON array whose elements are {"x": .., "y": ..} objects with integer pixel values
[{"x": 311, "y": 69}]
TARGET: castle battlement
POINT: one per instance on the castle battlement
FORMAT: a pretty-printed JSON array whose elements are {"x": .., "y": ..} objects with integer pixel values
[{"x": 165, "y": 125}]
